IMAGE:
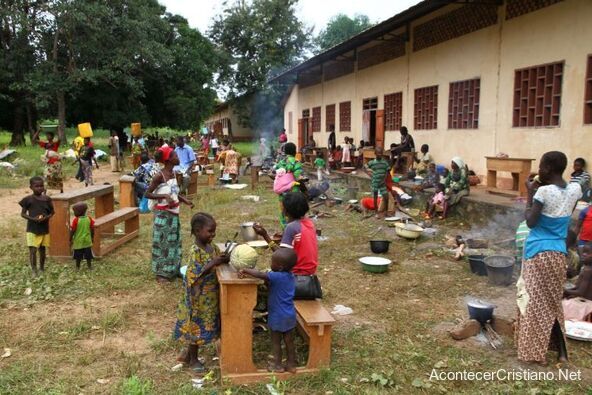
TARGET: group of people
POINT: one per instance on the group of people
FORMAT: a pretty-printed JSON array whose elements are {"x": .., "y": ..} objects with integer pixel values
[{"x": 550, "y": 203}]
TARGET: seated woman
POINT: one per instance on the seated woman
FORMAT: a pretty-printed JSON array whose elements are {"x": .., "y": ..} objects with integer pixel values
[
  {"x": 143, "y": 175},
  {"x": 301, "y": 235},
  {"x": 456, "y": 183}
]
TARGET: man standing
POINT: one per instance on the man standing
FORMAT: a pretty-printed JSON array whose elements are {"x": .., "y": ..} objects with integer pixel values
[
  {"x": 186, "y": 162},
  {"x": 114, "y": 151}
]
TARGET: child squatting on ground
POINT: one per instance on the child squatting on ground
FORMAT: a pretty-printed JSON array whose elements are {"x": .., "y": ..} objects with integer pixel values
[
  {"x": 198, "y": 313},
  {"x": 282, "y": 314},
  {"x": 37, "y": 209},
  {"x": 82, "y": 234}
]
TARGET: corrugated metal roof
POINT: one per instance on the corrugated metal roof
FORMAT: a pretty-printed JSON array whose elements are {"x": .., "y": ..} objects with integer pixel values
[{"x": 417, "y": 11}]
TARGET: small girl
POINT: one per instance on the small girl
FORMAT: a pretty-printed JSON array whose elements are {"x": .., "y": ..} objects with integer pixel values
[
  {"x": 198, "y": 316},
  {"x": 281, "y": 312},
  {"x": 319, "y": 164},
  {"x": 82, "y": 234},
  {"x": 346, "y": 156},
  {"x": 436, "y": 202}
]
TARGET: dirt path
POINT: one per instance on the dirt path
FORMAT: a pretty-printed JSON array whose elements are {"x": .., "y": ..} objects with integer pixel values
[{"x": 10, "y": 197}]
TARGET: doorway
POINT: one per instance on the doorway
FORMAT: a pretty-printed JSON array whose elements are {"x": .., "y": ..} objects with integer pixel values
[{"x": 369, "y": 107}]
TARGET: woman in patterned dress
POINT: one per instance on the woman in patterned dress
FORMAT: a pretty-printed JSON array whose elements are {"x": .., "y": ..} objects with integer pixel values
[
  {"x": 198, "y": 314},
  {"x": 53, "y": 162},
  {"x": 550, "y": 203},
  {"x": 166, "y": 234}
]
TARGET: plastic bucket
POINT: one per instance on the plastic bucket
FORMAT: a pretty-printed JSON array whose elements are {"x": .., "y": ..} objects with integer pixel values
[
  {"x": 136, "y": 129},
  {"x": 500, "y": 269},
  {"x": 440, "y": 169},
  {"x": 85, "y": 130}
]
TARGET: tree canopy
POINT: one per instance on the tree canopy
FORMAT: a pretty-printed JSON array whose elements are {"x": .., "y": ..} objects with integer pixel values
[
  {"x": 339, "y": 29},
  {"x": 254, "y": 40},
  {"x": 109, "y": 62}
]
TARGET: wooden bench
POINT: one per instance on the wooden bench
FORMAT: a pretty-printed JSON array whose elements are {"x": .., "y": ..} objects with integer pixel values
[
  {"x": 315, "y": 324},
  {"x": 59, "y": 224},
  {"x": 104, "y": 225},
  {"x": 238, "y": 297}
]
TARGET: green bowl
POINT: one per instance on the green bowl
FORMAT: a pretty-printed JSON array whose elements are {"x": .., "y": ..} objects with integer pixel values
[{"x": 374, "y": 264}]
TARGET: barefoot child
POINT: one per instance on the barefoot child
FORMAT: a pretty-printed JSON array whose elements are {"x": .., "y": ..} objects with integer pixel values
[
  {"x": 320, "y": 165},
  {"x": 82, "y": 234},
  {"x": 198, "y": 315},
  {"x": 282, "y": 314},
  {"x": 436, "y": 202},
  {"x": 377, "y": 171},
  {"x": 37, "y": 209}
]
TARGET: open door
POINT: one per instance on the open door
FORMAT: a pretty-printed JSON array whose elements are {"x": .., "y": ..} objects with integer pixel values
[
  {"x": 301, "y": 132},
  {"x": 380, "y": 128}
]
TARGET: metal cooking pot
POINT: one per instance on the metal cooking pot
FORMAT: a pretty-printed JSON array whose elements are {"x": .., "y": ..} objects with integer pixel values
[
  {"x": 379, "y": 246},
  {"x": 480, "y": 311},
  {"x": 247, "y": 231}
]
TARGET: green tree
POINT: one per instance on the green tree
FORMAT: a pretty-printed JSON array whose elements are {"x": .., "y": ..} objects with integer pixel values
[
  {"x": 256, "y": 39},
  {"x": 339, "y": 29}
]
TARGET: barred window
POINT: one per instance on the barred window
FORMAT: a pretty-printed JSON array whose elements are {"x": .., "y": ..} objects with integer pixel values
[
  {"x": 463, "y": 104},
  {"x": 426, "y": 108},
  {"x": 345, "y": 116},
  {"x": 537, "y": 95},
  {"x": 393, "y": 111}
]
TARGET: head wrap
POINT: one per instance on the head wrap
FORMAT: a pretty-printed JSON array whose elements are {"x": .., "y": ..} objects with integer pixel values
[
  {"x": 166, "y": 152},
  {"x": 459, "y": 162},
  {"x": 283, "y": 138}
]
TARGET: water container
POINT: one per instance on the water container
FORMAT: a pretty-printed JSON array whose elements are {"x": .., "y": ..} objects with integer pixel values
[
  {"x": 85, "y": 130},
  {"x": 440, "y": 169},
  {"x": 136, "y": 129}
]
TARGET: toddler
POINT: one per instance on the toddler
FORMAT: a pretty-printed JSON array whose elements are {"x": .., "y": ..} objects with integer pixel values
[
  {"x": 319, "y": 164},
  {"x": 282, "y": 314},
  {"x": 37, "y": 209},
  {"x": 436, "y": 202},
  {"x": 82, "y": 234}
]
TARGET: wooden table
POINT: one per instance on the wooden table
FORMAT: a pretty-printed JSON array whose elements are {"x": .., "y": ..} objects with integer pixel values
[
  {"x": 520, "y": 169},
  {"x": 238, "y": 297},
  {"x": 59, "y": 224}
]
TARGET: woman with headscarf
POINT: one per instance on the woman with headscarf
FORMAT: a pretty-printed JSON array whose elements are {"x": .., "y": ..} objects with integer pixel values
[
  {"x": 166, "y": 234},
  {"x": 456, "y": 183}
]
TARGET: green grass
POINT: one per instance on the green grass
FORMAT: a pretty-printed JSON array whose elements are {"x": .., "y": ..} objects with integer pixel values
[{"x": 114, "y": 323}]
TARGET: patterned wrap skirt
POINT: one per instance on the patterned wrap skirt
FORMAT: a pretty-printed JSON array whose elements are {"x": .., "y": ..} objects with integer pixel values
[
  {"x": 54, "y": 176},
  {"x": 543, "y": 275},
  {"x": 166, "y": 244}
]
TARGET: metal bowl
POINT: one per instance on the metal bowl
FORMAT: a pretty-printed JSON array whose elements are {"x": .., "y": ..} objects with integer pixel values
[
  {"x": 375, "y": 264},
  {"x": 408, "y": 231}
]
